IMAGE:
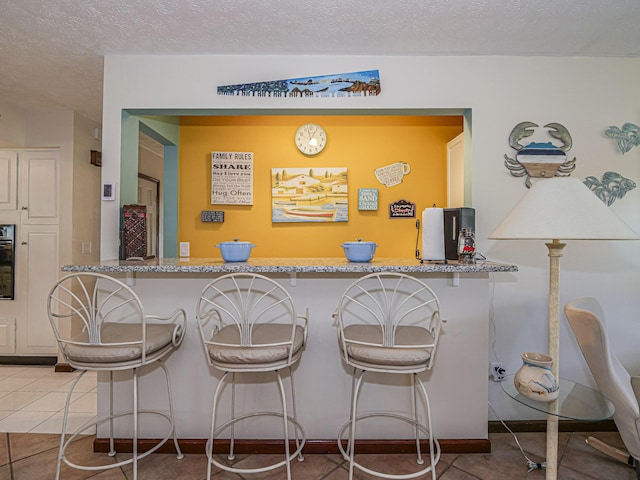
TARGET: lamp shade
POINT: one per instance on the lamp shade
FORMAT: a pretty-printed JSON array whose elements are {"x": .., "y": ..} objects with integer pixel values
[{"x": 562, "y": 208}]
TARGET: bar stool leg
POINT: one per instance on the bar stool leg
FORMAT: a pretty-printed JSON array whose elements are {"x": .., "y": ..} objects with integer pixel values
[
  {"x": 112, "y": 449},
  {"x": 414, "y": 401},
  {"x": 432, "y": 446},
  {"x": 135, "y": 424},
  {"x": 354, "y": 409},
  {"x": 175, "y": 435},
  {"x": 65, "y": 417},
  {"x": 285, "y": 423},
  {"x": 349, "y": 444},
  {"x": 295, "y": 415},
  {"x": 231, "y": 455},
  {"x": 209, "y": 446}
]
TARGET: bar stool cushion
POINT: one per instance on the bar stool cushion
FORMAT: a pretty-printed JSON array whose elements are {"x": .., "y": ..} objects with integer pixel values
[
  {"x": 390, "y": 356},
  {"x": 158, "y": 336},
  {"x": 260, "y": 351}
]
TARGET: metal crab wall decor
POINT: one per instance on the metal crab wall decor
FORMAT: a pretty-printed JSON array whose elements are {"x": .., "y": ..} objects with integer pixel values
[{"x": 540, "y": 159}]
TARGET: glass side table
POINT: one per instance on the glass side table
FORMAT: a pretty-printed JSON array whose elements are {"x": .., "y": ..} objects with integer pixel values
[{"x": 575, "y": 402}]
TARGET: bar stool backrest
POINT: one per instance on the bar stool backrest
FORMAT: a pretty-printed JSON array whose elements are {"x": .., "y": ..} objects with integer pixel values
[
  {"x": 395, "y": 304},
  {"x": 241, "y": 303},
  {"x": 99, "y": 322}
]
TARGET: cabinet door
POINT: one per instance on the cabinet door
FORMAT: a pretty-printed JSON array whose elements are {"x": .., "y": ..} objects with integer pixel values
[
  {"x": 7, "y": 335},
  {"x": 8, "y": 180},
  {"x": 41, "y": 244},
  {"x": 39, "y": 187}
]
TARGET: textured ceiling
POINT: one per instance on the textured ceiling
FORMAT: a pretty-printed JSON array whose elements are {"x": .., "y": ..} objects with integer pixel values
[{"x": 51, "y": 51}]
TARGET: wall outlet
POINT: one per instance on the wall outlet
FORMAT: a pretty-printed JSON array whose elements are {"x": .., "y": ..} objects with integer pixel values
[
  {"x": 497, "y": 371},
  {"x": 184, "y": 249}
]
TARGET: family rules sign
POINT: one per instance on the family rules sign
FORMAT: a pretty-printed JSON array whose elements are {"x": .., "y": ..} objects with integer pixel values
[{"x": 232, "y": 178}]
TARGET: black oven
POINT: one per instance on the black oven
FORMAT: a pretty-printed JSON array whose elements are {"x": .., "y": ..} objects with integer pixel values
[{"x": 7, "y": 261}]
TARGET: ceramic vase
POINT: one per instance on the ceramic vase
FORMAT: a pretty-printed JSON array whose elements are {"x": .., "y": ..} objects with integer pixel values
[{"x": 534, "y": 379}]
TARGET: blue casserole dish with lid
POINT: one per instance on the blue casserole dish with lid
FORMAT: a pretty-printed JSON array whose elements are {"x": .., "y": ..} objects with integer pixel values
[
  {"x": 235, "y": 251},
  {"x": 359, "y": 251}
]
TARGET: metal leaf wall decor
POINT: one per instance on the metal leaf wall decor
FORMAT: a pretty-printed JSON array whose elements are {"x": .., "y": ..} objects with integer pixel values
[
  {"x": 626, "y": 137},
  {"x": 612, "y": 186}
]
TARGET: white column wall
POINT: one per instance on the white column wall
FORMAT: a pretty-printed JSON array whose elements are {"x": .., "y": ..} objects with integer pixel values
[
  {"x": 456, "y": 385},
  {"x": 587, "y": 95}
]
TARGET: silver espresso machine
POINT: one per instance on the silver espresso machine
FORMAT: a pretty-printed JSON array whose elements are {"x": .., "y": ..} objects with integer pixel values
[{"x": 7, "y": 261}]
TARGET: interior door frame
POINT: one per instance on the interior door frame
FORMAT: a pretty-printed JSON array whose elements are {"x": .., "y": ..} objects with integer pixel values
[{"x": 159, "y": 213}]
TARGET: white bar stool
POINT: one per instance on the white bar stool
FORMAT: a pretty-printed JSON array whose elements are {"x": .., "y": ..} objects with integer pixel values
[
  {"x": 389, "y": 323},
  {"x": 248, "y": 324},
  {"x": 100, "y": 325}
]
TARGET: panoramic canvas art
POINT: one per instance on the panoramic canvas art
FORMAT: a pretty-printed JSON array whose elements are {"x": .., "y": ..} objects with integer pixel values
[
  {"x": 311, "y": 194},
  {"x": 353, "y": 84}
]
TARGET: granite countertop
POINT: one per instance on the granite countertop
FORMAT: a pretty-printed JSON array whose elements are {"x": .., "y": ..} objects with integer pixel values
[{"x": 286, "y": 265}]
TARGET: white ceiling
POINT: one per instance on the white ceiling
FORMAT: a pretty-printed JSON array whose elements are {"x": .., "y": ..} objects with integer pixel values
[{"x": 51, "y": 51}]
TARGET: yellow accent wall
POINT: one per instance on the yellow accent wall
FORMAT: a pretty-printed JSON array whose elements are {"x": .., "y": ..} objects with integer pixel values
[{"x": 360, "y": 143}]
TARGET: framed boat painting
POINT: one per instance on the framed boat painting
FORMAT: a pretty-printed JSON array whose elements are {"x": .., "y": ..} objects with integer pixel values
[{"x": 309, "y": 194}]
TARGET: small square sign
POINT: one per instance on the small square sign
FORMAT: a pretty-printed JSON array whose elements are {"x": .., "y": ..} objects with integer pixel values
[{"x": 367, "y": 199}]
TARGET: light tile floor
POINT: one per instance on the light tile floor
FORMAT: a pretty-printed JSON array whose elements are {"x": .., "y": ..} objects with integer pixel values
[{"x": 32, "y": 400}]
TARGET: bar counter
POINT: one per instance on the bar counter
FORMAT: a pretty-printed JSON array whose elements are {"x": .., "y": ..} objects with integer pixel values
[
  {"x": 286, "y": 265},
  {"x": 457, "y": 385}
]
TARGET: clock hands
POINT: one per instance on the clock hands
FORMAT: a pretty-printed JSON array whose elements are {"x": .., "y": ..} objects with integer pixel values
[
  {"x": 312, "y": 140},
  {"x": 309, "y": 134}
]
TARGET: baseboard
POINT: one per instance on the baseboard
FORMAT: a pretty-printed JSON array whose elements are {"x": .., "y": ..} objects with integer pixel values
[
  {"x": 311, "y": 447},
  {"x": 563, "y": 426},
  {"x": 465, "y": 445},
  {"x": 27, "y": 360}
]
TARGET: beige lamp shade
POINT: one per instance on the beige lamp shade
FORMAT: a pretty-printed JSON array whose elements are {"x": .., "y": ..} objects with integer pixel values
[{"x": 562, "y": 208}]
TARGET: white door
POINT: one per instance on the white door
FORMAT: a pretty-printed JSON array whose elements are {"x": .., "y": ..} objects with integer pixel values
[
  {"x": 148, "y": 195},
  {"x": 455, "y": 172}
]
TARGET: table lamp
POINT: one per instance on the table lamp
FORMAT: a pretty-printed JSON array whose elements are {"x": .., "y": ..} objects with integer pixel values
[{"x": 555, "y": 209}]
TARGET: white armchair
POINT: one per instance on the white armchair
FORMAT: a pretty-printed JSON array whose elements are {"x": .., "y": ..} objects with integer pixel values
[{"x": 586, "y": 317}]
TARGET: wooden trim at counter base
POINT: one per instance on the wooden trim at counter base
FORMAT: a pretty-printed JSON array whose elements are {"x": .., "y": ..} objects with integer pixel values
[
  {"x": 312, "y": 447},
  {"x": 63, "y": 368},
  {"x": 521, "y": 426},
  {"x": 101, "y": 445}
]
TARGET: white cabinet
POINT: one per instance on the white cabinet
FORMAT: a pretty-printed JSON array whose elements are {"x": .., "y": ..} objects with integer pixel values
[
  {"x": 30, "y": 199},
  {"x": 38, "y": 187},
  {"x": 38, "y": 261},
  {"x": 8, "y": 180},
  {"x": 7, "y": 335}
]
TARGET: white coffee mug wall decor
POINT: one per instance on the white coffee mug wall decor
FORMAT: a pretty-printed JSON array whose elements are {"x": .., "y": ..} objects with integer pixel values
[{"x": 391, "y": 175}]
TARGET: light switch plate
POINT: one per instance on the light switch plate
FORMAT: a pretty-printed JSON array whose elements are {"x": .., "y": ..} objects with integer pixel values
[{"x": 184, "y": 249}]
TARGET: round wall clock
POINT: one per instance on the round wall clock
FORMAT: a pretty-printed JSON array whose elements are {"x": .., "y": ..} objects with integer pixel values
[{"x": 310, "y": 139}]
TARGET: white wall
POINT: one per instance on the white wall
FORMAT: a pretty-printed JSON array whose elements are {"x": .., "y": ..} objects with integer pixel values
[
  {"x": 501, "y": 91},
  {"x": 86, "y": 192},
  {"x": 12, "y": 126}
]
